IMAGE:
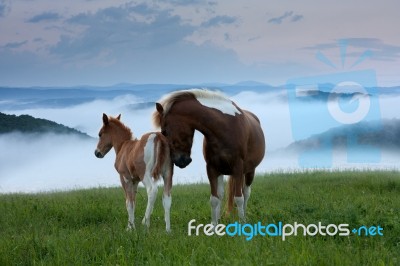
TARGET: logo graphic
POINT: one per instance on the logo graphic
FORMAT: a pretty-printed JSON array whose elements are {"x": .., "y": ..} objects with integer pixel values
[
  {"x": 319, "y": 104},
  {"x": 280, "y": 229}
]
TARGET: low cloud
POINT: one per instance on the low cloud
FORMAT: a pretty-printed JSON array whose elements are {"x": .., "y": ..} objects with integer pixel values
[{"x": 47, "y": 162}]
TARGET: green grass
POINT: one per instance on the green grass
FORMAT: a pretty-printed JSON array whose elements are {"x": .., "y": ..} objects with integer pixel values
[{"x": 87, "y": 227}]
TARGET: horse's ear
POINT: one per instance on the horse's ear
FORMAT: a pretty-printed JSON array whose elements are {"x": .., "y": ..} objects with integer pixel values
[
  {"x": 105, "y": 119},
  {"x": 159, "y": 108},
  {"x": 119, "y": 117}
]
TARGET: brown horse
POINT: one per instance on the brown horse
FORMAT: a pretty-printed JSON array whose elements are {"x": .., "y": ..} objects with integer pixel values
[
  {"x": 233, "y": 144},
  {"x": 138, "y": 160}
]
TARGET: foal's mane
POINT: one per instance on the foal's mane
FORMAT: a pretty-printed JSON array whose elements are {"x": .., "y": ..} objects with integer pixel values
[
  {"x": 119, "y": 124},
  {"x": 170, "y": 99}
]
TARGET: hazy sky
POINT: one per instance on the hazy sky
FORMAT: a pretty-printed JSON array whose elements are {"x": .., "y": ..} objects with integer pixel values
[{"x": 103, "y": 42}]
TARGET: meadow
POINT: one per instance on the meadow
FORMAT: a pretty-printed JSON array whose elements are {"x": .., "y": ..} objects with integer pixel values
[{"x": 87, "y": 227}]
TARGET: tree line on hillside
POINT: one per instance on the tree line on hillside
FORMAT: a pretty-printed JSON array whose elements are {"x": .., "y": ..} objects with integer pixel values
[{"x": 29, "y": 124}]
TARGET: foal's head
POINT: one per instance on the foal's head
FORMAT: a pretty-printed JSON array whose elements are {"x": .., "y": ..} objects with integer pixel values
[{"x": 111, "y": 131}]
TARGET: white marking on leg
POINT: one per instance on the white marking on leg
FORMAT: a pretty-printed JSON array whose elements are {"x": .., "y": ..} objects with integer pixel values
[
  {"x": 130, "y": 207},
  {"x": 220, "y": 192},
  {"x": 239, "y": 203},
  {"x": 152, "y": 189},
  {"x": 167, "y": 198},
  {"x": 167, "y": 208},
  {"x": 215, "y": 208},
  {"x": 220, "y": 189},
  {"x": 246, "y": 195},
  {"x": 148, "y": 181},
  {"x": 130, "y": 204}
]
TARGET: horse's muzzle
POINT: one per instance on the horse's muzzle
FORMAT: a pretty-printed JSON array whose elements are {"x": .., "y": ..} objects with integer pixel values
[
  {"x": 98, "y": 154},
  {"x": 182, "y": 161}
]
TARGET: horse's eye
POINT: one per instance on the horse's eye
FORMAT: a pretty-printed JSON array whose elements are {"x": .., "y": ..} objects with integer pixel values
[
  {"x": 100, "y": 135},
  {"x": 164, "y": 132}
]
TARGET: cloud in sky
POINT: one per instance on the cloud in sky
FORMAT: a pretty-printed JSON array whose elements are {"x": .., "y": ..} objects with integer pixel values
[
  {"x": 287, "y": 16},
  {"x": 219, "y": 20},
  {"x": 12, "y": 45},
  {"x": 5, "y": 6},
  {"x": 46, "y": 16},
  {"x": 104, "y": 42},
  {"x": 377, "y": 49},
  {"x": 117, "y": 29}
]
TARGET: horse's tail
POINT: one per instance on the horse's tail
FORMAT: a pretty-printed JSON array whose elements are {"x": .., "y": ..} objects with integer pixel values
[
  {"x": 231, "y": 193},
  {"x": 160, "y": 153}
]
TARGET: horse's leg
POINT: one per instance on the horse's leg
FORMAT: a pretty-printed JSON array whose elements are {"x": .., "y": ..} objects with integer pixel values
[
  {"x": 151, "y": 188},
  {"x": 220, "y": 191},
  {"x": 167, "y": 199},
  {"x": 130, "y": 188},
  {"x": 238, "y": 188},
  {"x": 215, "y": 201},
  {"x": 247, "y": 188}
]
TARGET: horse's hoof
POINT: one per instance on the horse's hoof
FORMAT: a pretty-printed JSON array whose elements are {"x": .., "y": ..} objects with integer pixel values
[
  {"x": 146, "y": 222},
  {"x": 130, "y": 227}
]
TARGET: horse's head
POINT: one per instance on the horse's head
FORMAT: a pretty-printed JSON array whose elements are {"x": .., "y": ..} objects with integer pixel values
[
  {"x": 105, "y": 140},
  {"x": 179, "y": 135}
]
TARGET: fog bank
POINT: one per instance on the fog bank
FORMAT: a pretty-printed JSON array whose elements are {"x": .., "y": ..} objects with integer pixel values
[{"x": 33, "y": 163}]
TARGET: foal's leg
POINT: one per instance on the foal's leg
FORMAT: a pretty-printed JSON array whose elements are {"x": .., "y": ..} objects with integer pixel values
[
  {"x": 151, "y": 188},
  {"x": 130, "y": 188},
  {"x": 167, "y": 199}
]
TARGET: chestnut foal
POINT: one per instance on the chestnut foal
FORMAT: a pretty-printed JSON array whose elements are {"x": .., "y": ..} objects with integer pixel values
[{"x": 138, "y": 160}]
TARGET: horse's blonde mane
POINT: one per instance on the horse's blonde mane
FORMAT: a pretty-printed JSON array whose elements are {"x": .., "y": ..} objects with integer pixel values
[{"x": 168, "y": 100}]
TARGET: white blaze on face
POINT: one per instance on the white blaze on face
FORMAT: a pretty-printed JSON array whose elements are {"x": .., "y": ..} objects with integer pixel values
[{"x": 225, "y": 106}]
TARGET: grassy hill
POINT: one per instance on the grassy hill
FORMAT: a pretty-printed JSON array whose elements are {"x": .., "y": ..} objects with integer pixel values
[
  {"x": 29, "y": 124},
  {"x": 87, "y": 227}
]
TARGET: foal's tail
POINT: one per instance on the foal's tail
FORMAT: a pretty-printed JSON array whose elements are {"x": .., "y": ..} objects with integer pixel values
[{"x": 161, "y": 152}]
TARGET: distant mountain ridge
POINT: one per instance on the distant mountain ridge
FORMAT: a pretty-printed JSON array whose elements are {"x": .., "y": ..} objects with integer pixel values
[
  {"x": 55, "y": 97},
  {"x": 29, "y": 124},
  {"x": 14, "y": 98}
]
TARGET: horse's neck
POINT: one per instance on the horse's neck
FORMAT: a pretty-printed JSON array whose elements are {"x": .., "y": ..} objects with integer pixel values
[{"x": 204, "y": 124}]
